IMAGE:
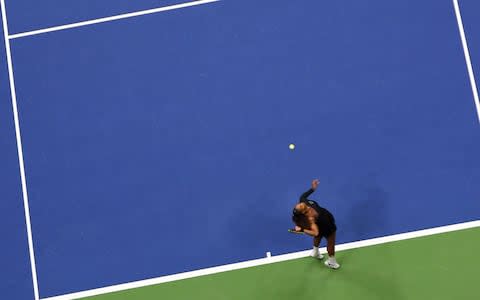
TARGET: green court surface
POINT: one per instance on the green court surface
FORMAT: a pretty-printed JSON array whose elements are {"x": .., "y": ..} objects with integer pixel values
[{"x": 442, "y": 266}]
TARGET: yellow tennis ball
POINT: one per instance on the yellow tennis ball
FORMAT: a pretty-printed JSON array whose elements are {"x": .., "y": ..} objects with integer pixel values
[{"x": 291, "y": 146}]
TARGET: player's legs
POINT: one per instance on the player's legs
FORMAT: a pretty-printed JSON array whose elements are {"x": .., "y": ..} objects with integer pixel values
[
  {"x": 331, "y": 262},
  {"x": 331, "y": 244},
  {"x": 316, "y": 243}
]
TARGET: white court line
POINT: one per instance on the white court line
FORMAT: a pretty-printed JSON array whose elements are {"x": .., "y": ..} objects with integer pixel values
[
  {"x": 112, "y": 18},
  {"x": 20, "y": 151},
  {"x": 9, "y": 37},
  {"x": 264, "y": 261},
  {"x": 467, "y": 57},
  {"x": 214, "y": 269}
]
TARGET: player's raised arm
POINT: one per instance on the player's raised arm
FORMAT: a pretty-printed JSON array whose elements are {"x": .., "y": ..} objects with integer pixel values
[{"x": 305, "y": 195}]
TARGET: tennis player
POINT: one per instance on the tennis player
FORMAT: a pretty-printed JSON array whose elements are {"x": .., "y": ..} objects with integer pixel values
[{"x": 318, "y": 222}]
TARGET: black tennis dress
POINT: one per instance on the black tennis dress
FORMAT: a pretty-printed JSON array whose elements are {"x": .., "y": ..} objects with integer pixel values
[{"x": 325, "y": 220}]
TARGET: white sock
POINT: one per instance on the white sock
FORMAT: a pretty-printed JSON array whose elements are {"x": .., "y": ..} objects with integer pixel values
[
  {"x": 315, "y": 249},
  {"x": 332, "y": 259}
]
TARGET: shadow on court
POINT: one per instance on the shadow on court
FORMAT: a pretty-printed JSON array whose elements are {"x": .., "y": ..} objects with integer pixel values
[{"x": 366, "y": 216}]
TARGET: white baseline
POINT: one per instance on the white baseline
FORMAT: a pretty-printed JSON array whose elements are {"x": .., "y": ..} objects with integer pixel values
[{"x": 264, "y": 261}]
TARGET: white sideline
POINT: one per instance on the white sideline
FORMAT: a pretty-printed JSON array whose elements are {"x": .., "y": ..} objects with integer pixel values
[
  {"x": 18, "y": 136},
  {"x": 467, "y": 57}
]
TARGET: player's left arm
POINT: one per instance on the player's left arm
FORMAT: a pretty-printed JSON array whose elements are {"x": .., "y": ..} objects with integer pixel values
[{"x": 304, "y": 196}]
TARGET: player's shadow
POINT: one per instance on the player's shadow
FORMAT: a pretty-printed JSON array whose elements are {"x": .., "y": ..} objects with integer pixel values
[
  {"x": 367, "y": 212},
  {"x": 366, "y": 216}
]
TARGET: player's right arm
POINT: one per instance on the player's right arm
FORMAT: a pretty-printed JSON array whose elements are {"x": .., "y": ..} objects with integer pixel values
[{"x": 313, "y": 230}]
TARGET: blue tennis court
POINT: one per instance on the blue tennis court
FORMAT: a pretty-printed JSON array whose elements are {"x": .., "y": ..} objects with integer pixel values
[{"x": 159, "y": 144}]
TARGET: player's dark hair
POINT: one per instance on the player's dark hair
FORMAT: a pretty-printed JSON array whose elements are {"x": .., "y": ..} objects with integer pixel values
[{"x": 298, "y": 218}]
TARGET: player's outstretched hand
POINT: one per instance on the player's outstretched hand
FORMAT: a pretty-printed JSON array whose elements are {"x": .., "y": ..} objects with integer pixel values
[{"x": 315, "y": 183}]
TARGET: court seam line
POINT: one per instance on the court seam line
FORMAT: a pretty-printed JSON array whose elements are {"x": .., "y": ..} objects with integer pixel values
[
  {"x": 467, "y": 56},
  {"x": 264, "y": 261},
  {"x": 111, "y": 18},
  {"x": 20, "y": 152}
]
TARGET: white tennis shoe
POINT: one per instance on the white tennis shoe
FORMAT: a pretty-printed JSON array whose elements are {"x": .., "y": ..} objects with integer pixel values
[
  {"x": 332, "y": 263},
  {"x": 316, "y": 254}
]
